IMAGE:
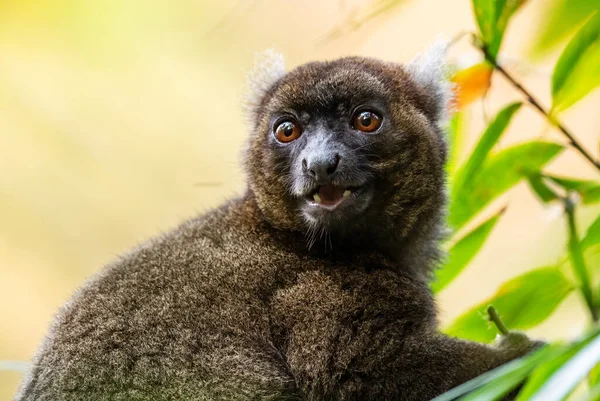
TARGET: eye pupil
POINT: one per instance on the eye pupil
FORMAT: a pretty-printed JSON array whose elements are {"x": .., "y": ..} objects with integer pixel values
[
  {"x": 287, "y": 131},
  {"x": 366, "y": 121},
  {"x": 365, "y": 118}
]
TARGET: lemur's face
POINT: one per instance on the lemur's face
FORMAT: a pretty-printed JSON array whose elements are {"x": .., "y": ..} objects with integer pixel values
[
  {"x": 343, "y": 145},
  {"x": 327, "y": 143}
]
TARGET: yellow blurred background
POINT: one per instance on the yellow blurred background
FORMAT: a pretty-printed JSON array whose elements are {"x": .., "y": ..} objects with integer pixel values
[{"x": 120, "y": 118}]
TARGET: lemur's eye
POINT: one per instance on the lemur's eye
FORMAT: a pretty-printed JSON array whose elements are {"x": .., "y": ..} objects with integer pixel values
[
  {"x": 287, "y": 131},
  {"x": 366, "y": 121}
]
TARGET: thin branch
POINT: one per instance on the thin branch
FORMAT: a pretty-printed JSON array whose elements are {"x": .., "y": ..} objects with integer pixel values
[
  {"x": 536, "y": 104},
  {"x": 495, "y": 318}
]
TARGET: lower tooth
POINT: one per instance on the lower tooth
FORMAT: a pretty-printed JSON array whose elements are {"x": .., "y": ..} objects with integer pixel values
[
  {"x": 347, "y": 193},
  {"x": 317, "y": 198}
]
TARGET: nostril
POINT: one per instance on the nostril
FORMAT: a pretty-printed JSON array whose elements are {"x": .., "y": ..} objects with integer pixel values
[
  {"x": 312, "y": 173},
  {"x": 304, "y": 165}
]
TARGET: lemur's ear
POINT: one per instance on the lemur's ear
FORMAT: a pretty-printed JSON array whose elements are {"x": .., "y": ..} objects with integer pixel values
[
  {"x": 269, "y": 67},
  {"x": 430, "y": 71}
]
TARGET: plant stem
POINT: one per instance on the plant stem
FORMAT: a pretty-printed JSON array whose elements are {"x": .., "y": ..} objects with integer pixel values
[
  {"x": 577, "y": 259},
  {"x": 495, "y": 318},
  {"x": 536, "y": 104}
]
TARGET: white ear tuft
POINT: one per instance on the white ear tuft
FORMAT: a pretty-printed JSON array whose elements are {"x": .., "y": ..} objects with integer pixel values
[
  {"x": 269, "y": 67},
  {"x": 430, "y": 70}
]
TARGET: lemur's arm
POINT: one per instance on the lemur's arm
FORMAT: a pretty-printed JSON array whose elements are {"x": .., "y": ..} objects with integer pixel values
[{"x": 368, "y": 342}]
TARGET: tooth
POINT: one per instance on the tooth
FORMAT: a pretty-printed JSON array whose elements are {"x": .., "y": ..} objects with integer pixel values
[
  {"x": 347, "y": 193},
  {"x": 317, "y": 198}
]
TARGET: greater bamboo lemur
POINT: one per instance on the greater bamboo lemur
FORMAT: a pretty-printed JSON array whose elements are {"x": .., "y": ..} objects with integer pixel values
[{"x": 310, "y": 286}]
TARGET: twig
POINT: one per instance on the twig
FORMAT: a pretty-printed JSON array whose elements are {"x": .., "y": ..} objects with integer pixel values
[
  {"x": 536, "y": 104},
  {"x": 495, "y": 318}
]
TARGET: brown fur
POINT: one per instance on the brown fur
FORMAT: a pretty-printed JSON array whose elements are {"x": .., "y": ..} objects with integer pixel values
[{"x": 233, "y": 305}]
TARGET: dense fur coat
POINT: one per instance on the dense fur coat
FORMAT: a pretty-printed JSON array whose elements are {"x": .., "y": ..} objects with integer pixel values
[{"x": 272, "y": 296}]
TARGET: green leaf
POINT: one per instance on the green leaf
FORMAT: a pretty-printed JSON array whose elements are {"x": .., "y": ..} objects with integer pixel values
[
  {"x": 456, "y": 134},
  {"x": 578, "y": 261},
  {"x": 499, "y": 173},
  {"x": 577, "y": 71},
  {"x": 592, "y": 235},
  {"x": 594, "y": 376},
  {"x": 541, "y": 374},
  {"x": 487, "y": 141},
  {"x": 485, "y": 15},
  {"x": 560, "y": 20},
  {"x": 492, "y": 18},
  {"x": 587, "y": 189},
  {"x": 592, "y": 395},
  {"x": 463, "y": 251},
  {"x": 496, "y": 383},
  {"x": 505, "y": 384},
  {"x": 539, "y": 187},
  {"x": 522, "y": 302},
  {"x": 570, "y": 374}
]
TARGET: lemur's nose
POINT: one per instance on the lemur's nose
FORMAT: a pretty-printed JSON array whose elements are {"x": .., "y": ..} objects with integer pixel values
[{"x": 321, "y": 166}]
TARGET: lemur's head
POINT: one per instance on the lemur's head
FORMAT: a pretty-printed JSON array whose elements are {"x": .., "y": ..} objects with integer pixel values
[{"x": 351, "y": 147}]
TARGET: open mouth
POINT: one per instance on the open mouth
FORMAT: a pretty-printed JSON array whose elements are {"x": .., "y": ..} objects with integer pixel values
[{"x": 330, "y": 196}]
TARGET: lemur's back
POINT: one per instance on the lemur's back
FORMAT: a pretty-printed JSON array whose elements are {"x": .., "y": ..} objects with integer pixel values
[{"x": 181, "y": 318}]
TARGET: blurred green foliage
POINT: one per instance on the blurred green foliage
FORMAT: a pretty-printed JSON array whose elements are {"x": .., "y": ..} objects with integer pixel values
[
  {"x": 577, "y": 71},
  {"x": 526, "y": 301},
  {"x": 561, "y": 20}
]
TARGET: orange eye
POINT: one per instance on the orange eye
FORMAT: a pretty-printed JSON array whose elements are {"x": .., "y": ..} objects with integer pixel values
[
  {"x": 366, "y": 121},
  {"x": 287, "y": 131}
]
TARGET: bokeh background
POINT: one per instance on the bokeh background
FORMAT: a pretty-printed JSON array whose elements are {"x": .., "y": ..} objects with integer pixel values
[{"x": 120, "y": 118}]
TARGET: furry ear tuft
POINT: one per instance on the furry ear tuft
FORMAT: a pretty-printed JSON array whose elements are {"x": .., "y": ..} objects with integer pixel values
[
  {"x": 430, "y": 71},
  {"x": 269, "y": 67}
]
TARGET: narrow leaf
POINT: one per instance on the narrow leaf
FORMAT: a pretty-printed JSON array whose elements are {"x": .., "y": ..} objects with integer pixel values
[
  {"x": 497, "y": 382},
  {"x": 592, "y": 235},
  {"x": 492, "y": 18},
  {"x": 487, "y": 141},
  {"x": 587, "y": 189},
  {"x": 544, "y": 371},
  {"x": 592, "y": 395},
  {"x": 485, "y": 15},
  {"x": 523, "y": 302},
  {"x": 456, "y": 135},
  {"x": 494, "y": 384},
  {"x": 577, "y": 71},
  {"x": 594, "y": 376},
  {"x": 539, "y": 187},
  {"x": 561, "y": 20},
  {"x": 463, "y": 251},
  {"x": 570, "y": 374},
  {"x": 578, "y": 261},
  {"x": 499, "y": 173},
  {"x": 505, "y": 384}
]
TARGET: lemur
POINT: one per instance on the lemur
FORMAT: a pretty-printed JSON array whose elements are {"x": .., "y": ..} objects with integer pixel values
[{"x": 311, "y": 285}]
